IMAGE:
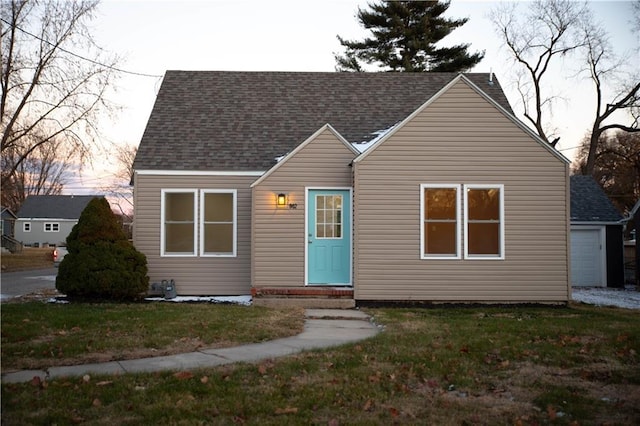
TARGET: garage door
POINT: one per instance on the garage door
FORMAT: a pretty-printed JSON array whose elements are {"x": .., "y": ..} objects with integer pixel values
[{"x": 586, "y": 258}]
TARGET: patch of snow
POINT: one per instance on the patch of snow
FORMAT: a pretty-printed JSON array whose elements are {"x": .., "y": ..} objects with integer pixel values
[
  {"x": 58, "y": 300},
  {"x": 6, "y": 297},
  {"x": 378, "y": 134},
  {"x": 239, "y": 300},
  {"x": 627, "y": 298},
  {"x": 280, "y": 157},
  {"x": 43, "y": 277}
]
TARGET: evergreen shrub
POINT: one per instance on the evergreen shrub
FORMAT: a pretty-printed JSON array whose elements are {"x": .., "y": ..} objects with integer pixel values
[{"x": 101, "y": 263}]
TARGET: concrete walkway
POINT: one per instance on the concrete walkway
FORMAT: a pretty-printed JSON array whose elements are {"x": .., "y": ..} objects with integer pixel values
[{"x": 323, "y": 328}]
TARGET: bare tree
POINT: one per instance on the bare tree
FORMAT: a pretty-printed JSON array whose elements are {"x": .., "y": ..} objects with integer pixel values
[
  {"x": 616, "y": 166},
  {"x": 121, "y": 190},
  {"x": 44, "y": 172},
  {"x": 548, "y": 30},
  {"x": 49, "y": 92},
  {"x": 602, "y": 64}
]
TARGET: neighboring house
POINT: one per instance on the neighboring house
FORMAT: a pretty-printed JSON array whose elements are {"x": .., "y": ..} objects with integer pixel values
[
  {"x": 597, "y": 250},
  {"x": 378, "y": 186},
  {"x": 48, "y": 219},
  {"x": 8, "y": 222}
]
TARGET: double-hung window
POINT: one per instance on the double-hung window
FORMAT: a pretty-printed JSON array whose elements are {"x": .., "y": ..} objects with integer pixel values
[
  {"x": 440, "y": 224},
  {"x": 198, "y": 222},
  {"x": 484, "y": 222},
  {"x": 218, "y": 222},
  {"x": 179, "y": 226},
  {"x": 453, "y": 216}
]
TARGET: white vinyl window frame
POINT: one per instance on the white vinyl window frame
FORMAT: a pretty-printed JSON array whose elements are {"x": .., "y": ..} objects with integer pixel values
[
  {"x": 51, "y": 227},
  {"x": 163, "y": 251},
  {"x": 202, "y": 222},
  {"x": 458, "y": 253},
  {"x": 500, "y": 255},
  {"x": 26, "y": 227}
]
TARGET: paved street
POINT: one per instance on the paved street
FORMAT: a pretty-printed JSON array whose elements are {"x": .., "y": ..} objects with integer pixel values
[{"x": 14, "y": 284}]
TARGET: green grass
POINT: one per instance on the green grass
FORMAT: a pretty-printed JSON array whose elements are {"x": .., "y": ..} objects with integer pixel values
[
  {"x": 40, "y": 335},
  {"x": 490, "y": 365}
]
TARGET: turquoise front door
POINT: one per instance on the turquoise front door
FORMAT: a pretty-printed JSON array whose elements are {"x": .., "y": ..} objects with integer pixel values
[{"x": 329, "y": 237}]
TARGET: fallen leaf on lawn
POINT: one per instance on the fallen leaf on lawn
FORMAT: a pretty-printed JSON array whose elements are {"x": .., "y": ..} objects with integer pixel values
[
  {"x": 286, "y": 410},
  {"x": 333, "y": 422},
  {"x": 36, "y": 381},
  {"x": 551, "y": 412},
  {"x": 96, "y": 403},
  {"x": 76, "y": 420},
  {"x": 76, "y": 329},
  {"x": 464, "y": 350},
  {"x": 183, "y": 375},
  {"x": 86, "y": 378},
  {"x": 394, "y": 412},
  {"x": 204, "y": 380},
  {"x": 367, "y": 405},
  {"x": 104, "y": 383},
  {"x": 262, "y": 369}
]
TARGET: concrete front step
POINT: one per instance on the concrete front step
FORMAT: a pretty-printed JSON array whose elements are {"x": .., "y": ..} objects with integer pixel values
[{"x": 304, "y": 302}]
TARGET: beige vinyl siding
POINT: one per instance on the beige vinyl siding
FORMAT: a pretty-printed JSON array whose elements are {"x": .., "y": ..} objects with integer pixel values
[
  {"x": 460, "y": 138},
  {"x": 194, "y": 275},
  {"x": 279, "y": 236}
]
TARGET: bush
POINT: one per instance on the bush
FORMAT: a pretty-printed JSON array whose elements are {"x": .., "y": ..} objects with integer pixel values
[{"x": 101, "y": 263}]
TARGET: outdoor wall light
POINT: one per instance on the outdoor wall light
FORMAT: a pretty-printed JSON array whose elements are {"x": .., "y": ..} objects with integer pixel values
[{"x": 281, "y": 200}]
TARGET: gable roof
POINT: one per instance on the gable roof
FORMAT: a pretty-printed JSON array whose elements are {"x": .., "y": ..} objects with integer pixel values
[
  {"x": 54, "y": 206},
  {"x": 297, "y": 149},
  {"x": 7, "y": 213},
  {"x": 243, "y": 121},
  {"x": 382, "y": 135},
  {"x": 589, "y": 203}
]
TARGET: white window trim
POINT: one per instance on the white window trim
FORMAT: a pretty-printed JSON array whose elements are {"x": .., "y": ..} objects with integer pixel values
[
  {"x": 163, "y": 252},
  {"x": 52, "y": 225},
  {"x": 458, "y": 189},
  {"x": 500, "y": 256},
  {"x": 235, "y": 221},
  {"x": 26, "y": 227}
]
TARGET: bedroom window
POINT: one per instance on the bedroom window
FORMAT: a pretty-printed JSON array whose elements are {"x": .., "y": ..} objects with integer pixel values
[
  {"x": 440, "y": 222},
  {"x": 218, "y": 223},
  {"x": 51, "y": 227},
  {"x": 178, "y": 232},
  {"x": 450, "y": 220},
  {"x": 26, "y": 227},
  {"x": 484, "y": 222}
]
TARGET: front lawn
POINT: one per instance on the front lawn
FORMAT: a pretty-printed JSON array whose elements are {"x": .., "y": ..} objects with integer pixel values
[
  {"x": 40, "y": 335},
  {"x": 490, "y": 365}
]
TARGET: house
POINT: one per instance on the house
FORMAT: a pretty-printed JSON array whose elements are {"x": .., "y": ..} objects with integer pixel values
[
  {"x": 597, "y": 250},
  {"x": 48, "y": 219},
  {"x": 8, "y": 222},
  {"x": 370, "y": 187}
]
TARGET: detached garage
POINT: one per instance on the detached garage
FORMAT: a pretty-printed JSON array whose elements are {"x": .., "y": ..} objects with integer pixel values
[{"x": 596, "y": 236}]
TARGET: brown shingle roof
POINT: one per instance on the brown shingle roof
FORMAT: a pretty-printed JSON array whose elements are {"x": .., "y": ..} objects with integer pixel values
[{"x": 242, "y": 121}]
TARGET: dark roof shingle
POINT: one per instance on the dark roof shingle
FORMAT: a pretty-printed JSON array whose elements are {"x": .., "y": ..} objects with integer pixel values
[
  {"x": 589, "y": 203},
  {"x": 54, "y": 206},
  {"x": 242, "y": 121}
]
